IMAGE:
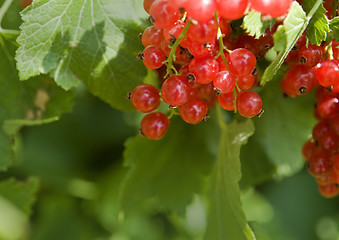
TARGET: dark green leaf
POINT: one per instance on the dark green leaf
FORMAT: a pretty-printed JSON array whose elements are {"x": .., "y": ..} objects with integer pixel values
[
  {"x": 254, "y": 25},
  {"x": 284, "y": 127},
  {"x": 226, "y": 218},
  {"x": 21, "y": 194},
  {"x": 171, "y": 169},
  {"x": 92, "y": 41},
  {"x": 334, "y": 26},
  {"x": 5, "y": 150},
  {"x": 285, "y": 38},
  {"x": 317, "y": 28}
]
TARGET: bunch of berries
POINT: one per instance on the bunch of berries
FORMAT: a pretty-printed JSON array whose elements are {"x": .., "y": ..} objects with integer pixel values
[{"x": 204, "y": 64}]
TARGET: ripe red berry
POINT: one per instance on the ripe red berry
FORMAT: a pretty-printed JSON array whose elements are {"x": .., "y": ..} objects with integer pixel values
[
  {"x": 310, "y": 55},
  {"x": 203, "y": 32},
  {"x": 274, "y": 8},
  {"x": 145, "y": 98},
  {"x": 226, "y": 101},
  {"x": 246, "y": 82},
  {"x": 204, "y": 69},
  {"x": 241, "y": 62},
  {"x": 175, "y": 90},
  {"x": 327, "y": 73},
  {"x": 152, "y": 36},
  {"x": 309, "y": 149},
  {"x": 329, "y": 190},
  {"x": 224, "y": 82},
  {"x": 163, "y": 14},
  {"x": 248, "y": 103},
  {"x": 194, "y": 110},
  {"x": 153, "y": 57},
  {"x": 200, "y": 10},
  {"x": 328, "y": 106},
  {"x": 231, "y": 9},
  {"x": 154, "y": 125},
  {"x": 335, "y": 160},
  {"x": 320, "y": 164}
]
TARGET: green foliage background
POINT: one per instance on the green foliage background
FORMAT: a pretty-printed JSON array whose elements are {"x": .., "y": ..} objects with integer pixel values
[{"x": 72, "y": 165}]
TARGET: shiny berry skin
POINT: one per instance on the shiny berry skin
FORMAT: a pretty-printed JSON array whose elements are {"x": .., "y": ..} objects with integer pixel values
[
  {"x": 154, "y": 125},
  {"x": 153, "y": 57},
  {"x": 148, "y": 4},
  {"x": 200, "y": 10},
  {"x": 231, "y": 9},
  {"x": 319, "y": 129},
  {"x": 335, "y": 160},
  {"x": 246, "y": 82},
  {"x": 200, "y": 49},
  {"x": 163, "y": 14},
  {"x": 329, "y": 141},
  {"x": 226, "y": 101},
  {"x": 328, "y": 106},
  {"x": 311, "y": 55},
  {"x": 203, "y": 32},
  {"x": 248, "y": 103},
  {"x": 175, "y": 31},
  {"x": 175, "y": 90},
  {"x": 178, "y": 3},
  {"x": 194, "y": 110},
  {"x": 329, "y": 190},
  {"x": 152, "y": 36},
  {"x": 274, "y": 8},
  {"x": 327, "y": 73},
  {"x": 299, "y": 80},
  {"x": 320, "y": 164},
  {"x": 145, "y": 98},
  {"x": 309, "y": 149},
  {"x": 241, "y": 62},
  {"x": 224, "y": 82},
  {"x": 204, "y": 69}
]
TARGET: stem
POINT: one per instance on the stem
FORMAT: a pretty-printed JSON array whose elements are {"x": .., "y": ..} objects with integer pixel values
[
  {"x": 171, "y": 57},
  {"x": 313, "y": 10},
  {"x": 4, "y": 9}
]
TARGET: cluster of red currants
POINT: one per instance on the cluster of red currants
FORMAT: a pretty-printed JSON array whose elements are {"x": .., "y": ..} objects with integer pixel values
[
  {"x": 204, "y": 65},
  {"x": 322, "y": 151}
]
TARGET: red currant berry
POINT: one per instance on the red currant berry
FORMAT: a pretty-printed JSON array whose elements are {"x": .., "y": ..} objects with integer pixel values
[
  {"x": 329, "y": 141},
  {"x": 194, "y": 110},
  {"x": 163, "y": 14},
  {"x": 248, "y": 103},
  {"x": 335, "y": 160},
  {"x": 328, "y": 106},
  {"x": 153, "y": 57},
  {"x": 145, "y": 98},
  {"x": 224, "y": 82},
  {"x": 241, "y": 62},
  {"x": 327, "y": 73},
  {"x": 320, "y": 129},
  {"x": 203, "y": 32},
  {"x": 274, "y": 8},
  {"x": 246, "y": 82},
  {"x": 309, "y": 149},
  {"x": 175, "y": 90},
  {"x": 204, "y": 69},
  {"x": 148, "y": 4},
  {"x": 154, "y": 125},
  {"x": 320, "y": 164},
  {"x": 334, "y": 124},
  {"x": 310, "y": 55},
  {"x": 328, "y": 191},
  {"x": 231, "y": 9},
  {"x": 152, "y": 36},
  {"x": 200, "y": 10},
  {"x": 226, "y": 101}
]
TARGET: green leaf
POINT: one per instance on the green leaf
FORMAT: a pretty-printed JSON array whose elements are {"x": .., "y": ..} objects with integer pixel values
[
  {"x": 284, "y": 127},
  {"x": 287, "y": 35},
  {"x": 21, "y": 194},
  {"x": 226, "y": 218},
  {"x": 334, "y": 26},
  {"x": 92, "y": 41},
  {"x": 254, "y": 25},
  {"x": 317, "y": 28},
  {"x": 170, "y": 169}
]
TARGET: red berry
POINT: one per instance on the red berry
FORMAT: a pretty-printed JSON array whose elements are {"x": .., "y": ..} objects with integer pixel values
[
  {"x": 329, "y": 190},
  {"x": 203, "y": 32},
  {"x": 241, "y": 62},
  {"x": 145, "y": 98},
  {"x": 310, "y": 55},
  {"x": 329, "y": 141},
  {"x": 194, "y": 110},
  {"x": 231, "y": 9},
  {"x": 224, "y": 82},
  {"x": 226, "y": 101},
  {"x": 320, "y": 164},
  {"x": 154, "y": 125},
  {"x": 200, "y": 10},
  {"x": 309, "y": 149},
  {"x": 327, "y": 73},
  {"x": 204, "y": 69},
  {"x": 248, "y": 103},
  {"x": 274, "y": 8},
  {"x": 246, "y": 82},
  {"x": 175, "y": 90},
  {"x": 163, "y": 14},
  {"x": 328, "y": 106},
  {"x": 152, "y": 36},
  {"x": 153, "y": 57},
  {"x": 335, "y": 160},
  {"x": 334, "y": 124},
  {"x": 320, "y": 129}
]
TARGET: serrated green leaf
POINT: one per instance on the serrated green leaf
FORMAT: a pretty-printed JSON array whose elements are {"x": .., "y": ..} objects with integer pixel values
[
  {"x": 226, "y": 218},
  {"x": 317, "y": 28},
  {"x": 284, "y": 127},
  {"x": 254, "y": 25},
  {"x": 21, "y": 194},
  {"x": 334, "y": 26},
  {"x": 287, "y": 35},
  {"x": 94, "y": 41},
  {"x": 170, "y": 169}
]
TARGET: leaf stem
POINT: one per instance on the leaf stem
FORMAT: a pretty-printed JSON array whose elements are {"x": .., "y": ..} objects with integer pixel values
[
  {"x": 313, "y": 10},
  {"x": 171, "y": 57},
  {"x": 4, "y": 9}
]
